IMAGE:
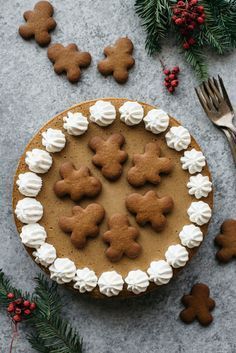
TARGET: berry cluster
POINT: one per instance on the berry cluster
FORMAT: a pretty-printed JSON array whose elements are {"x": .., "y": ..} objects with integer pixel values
[
  {"x": 188, "y": 16},
  {"x": 20, "y": 308},
  {"x": 171, "y": 79}
]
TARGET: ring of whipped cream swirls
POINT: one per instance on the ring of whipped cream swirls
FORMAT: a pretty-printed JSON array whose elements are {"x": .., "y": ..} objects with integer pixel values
[{"x": 29, "y": 210}]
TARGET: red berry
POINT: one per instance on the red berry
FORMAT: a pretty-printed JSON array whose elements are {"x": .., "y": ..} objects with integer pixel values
[
  {"x": 179, "y": 21},
  {"x": 27, "y": 312},
  {"x": 17, "y": 318},
  {"x": 18, "y": 311},
  {"x": 26, "y": 303},
  {"x": 200, "y": 20},
  {"x": 175, "y": 70},
  {"x": 176, "y": 11},
  {"x": 191, "y": 41},
  {"x": 167, "y": 84},
  {"x": 174, "y": 18},
  {"x": 11, "y": 308},
  {"x": 18, "y": 301},
  {"x": 186, "y": 45},
  {"x": 174, "y": 83},
  {"x": 166, "y": 72},
  {"x": 32, "y": 306},
  {"x": 167, "y": 79},
  {"x": 180, "y": 4},
  {"x": 193, "y": 2},
  {"x": 203, "y": 16},
  {"x": 190, "y": 27},
  {"x": 171, "y": 89},
  {"x": 10, "y": 295},
  {"x": 200, "y": 8},
  {"x": 171, "y": 77}
]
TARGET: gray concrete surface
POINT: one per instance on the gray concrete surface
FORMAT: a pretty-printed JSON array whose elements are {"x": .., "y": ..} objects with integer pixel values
[{"x": 31, "y": 94}]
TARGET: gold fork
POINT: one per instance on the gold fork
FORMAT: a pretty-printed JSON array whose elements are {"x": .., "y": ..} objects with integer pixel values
[{"x": 216, "y": 104}]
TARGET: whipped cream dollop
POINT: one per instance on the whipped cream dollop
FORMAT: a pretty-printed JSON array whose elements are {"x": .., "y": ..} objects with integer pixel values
[
  {"x": 110, "y": 283},
  {"x": 131, "y": 113},
  {"x": 85, "y": 280},
  {"x": 75, "y": 123},
  {"x": 199, "y": 212},
  {"x": 160, "y": 272},
  {"x": 137, "y": 281},
  {"x": 29, "y": 184},
  {"x": 63, "y": 270},
  {"x": 45, "y": 255},
  {"x": 191, "y": 236},
  {"x": 156, "y": 121},
  {"x": 199, "y": 186},
  {"x": 33, "y": 235},
  {"x": 178, "y": 138},
  {"x": 29, "y": 210},
  {"x": 176, "y": 255},
  {"x": 38, "y": 161},
  {"x": 53, "y": 140},
  {"x": 102, "y": 113},
  {"x": 193, "y": 160}
]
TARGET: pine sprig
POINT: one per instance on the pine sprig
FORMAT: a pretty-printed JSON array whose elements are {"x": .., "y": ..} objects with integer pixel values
[
  {"x": 5, "y": 288},
  {"x": 218, "y": 32}
]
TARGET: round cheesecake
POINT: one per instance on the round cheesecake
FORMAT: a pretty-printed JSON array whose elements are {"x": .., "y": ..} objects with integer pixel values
[{"x": 120, "y": 247}]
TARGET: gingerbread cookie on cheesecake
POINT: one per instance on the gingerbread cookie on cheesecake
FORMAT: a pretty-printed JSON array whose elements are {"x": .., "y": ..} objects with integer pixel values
[{"x": 112, "y": 197}]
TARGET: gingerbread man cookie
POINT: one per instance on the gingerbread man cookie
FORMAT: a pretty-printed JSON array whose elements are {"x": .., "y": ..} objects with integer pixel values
[
  {"x": 121, "y": 238},
  {"x": 150, "y": 208},
  {"x": 118, "y": 60},
  {"x": 198, "y": 305},
  {"x": 69, "y": 60},
  {"x": 77, "y": 183},
  {"x": 227, "y": 241},
  {"x": 39, "y": 23},
  {"x": 108, "y": 155},
  {"x": 148, "y": 166},
  {"x": 83, "y": 223}
]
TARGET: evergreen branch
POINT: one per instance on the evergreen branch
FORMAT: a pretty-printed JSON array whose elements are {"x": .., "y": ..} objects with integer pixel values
[
  {"x": 196, "y": 59},
  {"x": 5, "y": 288},
  {"x": 47, "y": 299},
  {"x": 156, "y": 19},
  {"x": 37, "y": 343}
]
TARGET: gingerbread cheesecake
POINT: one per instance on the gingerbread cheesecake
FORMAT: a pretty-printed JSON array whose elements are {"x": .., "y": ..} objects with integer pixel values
[{"x": 112, "y": 197}]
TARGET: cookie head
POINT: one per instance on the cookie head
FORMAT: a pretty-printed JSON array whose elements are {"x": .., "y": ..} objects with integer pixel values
[
  {"x": 77, "y": 183},
  {"x": 83, "y": 223},
  {"x": 39, "y": 23},
  {"x": 108, "y": 155},
  {"x": 121, "y": 238}
]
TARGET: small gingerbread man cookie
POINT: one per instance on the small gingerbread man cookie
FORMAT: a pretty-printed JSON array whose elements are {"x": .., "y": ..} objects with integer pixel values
[
  {"x": 148, "y": 166},
  {"x": 121, "y": 238},
  {"x": 150, "y": 208},
  {"x": 39, "y": 23},
  {"x": 77, "y": 183},
  {"x": 118, "y": 60},
  {"x": 227, "y": 241},
  {"x": 108, "y": 155},
  {"x": 83, "y": 223},
  {"x": 69, "y": 60},
  {"x": 198, "y": 305}
]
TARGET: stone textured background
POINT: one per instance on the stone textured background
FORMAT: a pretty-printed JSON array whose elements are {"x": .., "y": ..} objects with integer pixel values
[{"x": 31, "y": 94}]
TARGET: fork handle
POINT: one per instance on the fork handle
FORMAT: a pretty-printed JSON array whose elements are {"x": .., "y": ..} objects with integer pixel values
[{"x": 232, "y": 142}]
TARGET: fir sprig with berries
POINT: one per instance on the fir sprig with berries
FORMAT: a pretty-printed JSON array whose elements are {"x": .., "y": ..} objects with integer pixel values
[
  {"x": 195, "y": 24},
  {"x": 42, "y": 313}
]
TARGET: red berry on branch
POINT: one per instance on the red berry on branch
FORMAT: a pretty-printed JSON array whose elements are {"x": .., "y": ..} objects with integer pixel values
[
  {"x": 167, "y": 79},
  {"x": 203, "y": 16},
  {"x": 171, "y": 89},
  {"x": 26, "y": 303},
  {"x": 11, "y": 308},
  {"x": 175, "y": 70},
  {"x": 200, "y": 20},
  {"x": 32, "y": 306},
  {"x": 166, "y": 72},
  {"x": 167, "y": 84},
  {"x": 10, "y": 295},
  {"x": 190, "y": 27},
  {"x": 18, "y": 311},
  {"x": 27, "y": 312},
  {"x": 174, "y": 18},
  {"x": 171, "y": 77},
  {"x": 193, "y": 2},
  {"x": 200, "y": 8},
  {"x": 179, "y": 21},
  {"x": 17, "y": 318},
  {"x": 176, "y": 11},
  {"x": 186, "y": 45},
  {"x": 180, "y": 3},
  {"x": 18, "y": 301},
  {"x": 191, "y": 41},
  {"x": 174, "y": 83}
]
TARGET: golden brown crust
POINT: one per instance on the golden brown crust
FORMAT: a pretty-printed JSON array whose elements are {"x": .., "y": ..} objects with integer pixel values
[{"x": 177, "y": 180}]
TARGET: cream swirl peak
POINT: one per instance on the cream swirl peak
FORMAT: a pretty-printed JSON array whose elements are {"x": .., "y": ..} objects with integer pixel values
[
  {"x": 102, "y": 113},
  {"x": 63, "y": 270},
  {"x": 193, "y": 160},
  {"x": 29, "y": 210},
  {"x": 199, "y": 212},
  {"x": 53, "y": 140},
  {"x": 199, "y": 186},
  {"x": 131, "y": 113},
  {"x": 45, "y": 255},
  {"x": 156, "y": 121},
  {"x": 75, "y": 123},
  {"x": 191, "y": 236},
  {"x": 160, "y": 272},
  {"x": 29, "y": 184},
  {"x": 178, "y": 138},
  {"x": 176, "y": 256},
  {"x": 85, "y": 280},
  {"x": 137, "y": 281},
  {"x": 33, "y": 235},
  {"x": 110, "y": 283},
  {"x": 38, "y": 161}
]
